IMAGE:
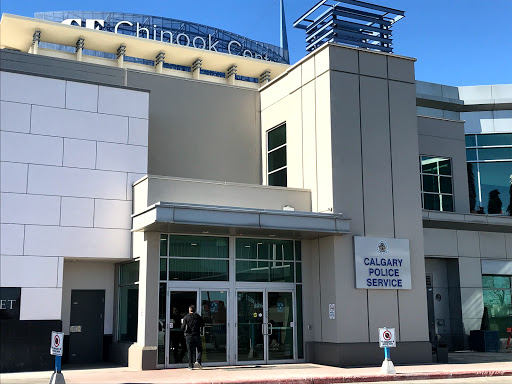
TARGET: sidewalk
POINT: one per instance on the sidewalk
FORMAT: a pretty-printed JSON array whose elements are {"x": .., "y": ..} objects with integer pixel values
[{"x": 274, "y": 374}]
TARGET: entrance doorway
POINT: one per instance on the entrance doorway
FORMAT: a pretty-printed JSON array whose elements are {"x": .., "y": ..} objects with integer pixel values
[
  {"x": 265, "y": 327},
  {"x": 212, "y": 305}
]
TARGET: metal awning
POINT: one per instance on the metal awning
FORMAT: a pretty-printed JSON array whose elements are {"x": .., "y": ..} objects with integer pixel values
[{"x": 208, "y": 219}]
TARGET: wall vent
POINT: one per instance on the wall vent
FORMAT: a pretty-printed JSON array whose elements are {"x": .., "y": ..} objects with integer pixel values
[{"x": 429, "y": 280}]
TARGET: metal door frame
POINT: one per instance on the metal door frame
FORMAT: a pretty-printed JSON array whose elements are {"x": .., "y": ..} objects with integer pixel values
[
  {"x": 198, "y": 288},
  {"x": 265, "y": 291}
]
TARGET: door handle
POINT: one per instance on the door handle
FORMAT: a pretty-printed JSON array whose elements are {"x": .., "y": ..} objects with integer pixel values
[
  {"x": 263, "y": 326},
  {"x": 271, "y": 328}
]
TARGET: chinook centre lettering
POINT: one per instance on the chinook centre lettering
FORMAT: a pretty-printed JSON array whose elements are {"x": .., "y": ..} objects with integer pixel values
[{"x": 171, "y": 31}]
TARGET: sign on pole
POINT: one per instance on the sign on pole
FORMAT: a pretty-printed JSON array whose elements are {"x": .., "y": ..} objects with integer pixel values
[
  {"x": 56, "y": 345},
  {"x": 387, "y": 337}
]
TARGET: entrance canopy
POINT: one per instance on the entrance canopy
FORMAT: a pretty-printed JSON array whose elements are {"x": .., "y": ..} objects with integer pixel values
[{"x": 220, "y": 220}]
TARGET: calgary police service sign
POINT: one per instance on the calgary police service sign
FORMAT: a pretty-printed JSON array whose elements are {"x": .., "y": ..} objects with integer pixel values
[{"x": 382, "y": 263}]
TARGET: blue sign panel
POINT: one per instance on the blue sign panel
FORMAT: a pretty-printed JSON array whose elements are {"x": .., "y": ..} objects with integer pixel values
[{"x": 170, "y": 31}]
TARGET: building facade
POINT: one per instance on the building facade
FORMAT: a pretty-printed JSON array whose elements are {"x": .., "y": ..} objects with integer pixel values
[{"x": 132, "y": 189}]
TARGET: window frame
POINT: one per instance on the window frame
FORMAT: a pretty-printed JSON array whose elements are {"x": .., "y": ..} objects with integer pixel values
[
  {"x": 285, "y": 145},
  {"x": 437, "y": 175}
]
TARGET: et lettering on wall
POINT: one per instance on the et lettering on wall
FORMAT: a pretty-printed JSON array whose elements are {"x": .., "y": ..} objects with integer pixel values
[
  {"x": 10, "y": 303},
  {"x": 382, "y": 263}
]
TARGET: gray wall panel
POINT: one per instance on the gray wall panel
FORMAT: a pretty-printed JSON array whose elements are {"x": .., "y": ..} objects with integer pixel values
[
  {"x": 377, "y": 180},
  {"x": 201, "y": 130},
  {"x": 446, "y": 138}
]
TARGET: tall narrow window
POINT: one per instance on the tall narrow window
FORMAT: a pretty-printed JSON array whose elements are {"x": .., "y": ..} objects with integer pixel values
[
  {"x": 436, "y": 183},
  {"x": 128, "y": 301},
  {"x": 276, "y": 156}
]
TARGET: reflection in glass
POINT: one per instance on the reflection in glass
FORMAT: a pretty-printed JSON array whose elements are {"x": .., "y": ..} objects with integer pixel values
[
  {"x": 472, "y": 170},
  {"x": 494, "y": 139},
  {"x": 495, "y": 176},
  {"x": 250, "y": 326},
  {"x": 498, "y": 301},
  {"x": 214, "y": 312},
  {"x": 280, "y": 319},
  {"x": 495, "y": 154},
  {"x": 162, "y": 295},
  {"x": 180, "y": 301},
  {"x": 198, "y": 269}
]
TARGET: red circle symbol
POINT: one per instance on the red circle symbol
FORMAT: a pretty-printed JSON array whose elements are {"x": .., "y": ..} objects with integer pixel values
[
  {"x": 387, "y": 335},
  {"x": 56, "y": 340}
]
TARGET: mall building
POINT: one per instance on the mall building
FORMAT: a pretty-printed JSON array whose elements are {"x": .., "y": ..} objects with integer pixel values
[{"x": 148, "y": 164}]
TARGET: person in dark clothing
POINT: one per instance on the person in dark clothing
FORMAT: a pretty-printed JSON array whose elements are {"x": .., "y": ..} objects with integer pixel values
[
  {"x": 191, "y": 326},
  {"x": 176, "y": 336}
]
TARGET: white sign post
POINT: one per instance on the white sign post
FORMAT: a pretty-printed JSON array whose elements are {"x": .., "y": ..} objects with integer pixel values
[
  {"x": 56, "y": 347},
  {"x": 387, "y": 340},
  {"x": 382, "y": 263}
]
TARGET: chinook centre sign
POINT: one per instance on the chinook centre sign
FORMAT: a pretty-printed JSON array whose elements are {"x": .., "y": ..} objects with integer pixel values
[{"x": 171, "y": 31}]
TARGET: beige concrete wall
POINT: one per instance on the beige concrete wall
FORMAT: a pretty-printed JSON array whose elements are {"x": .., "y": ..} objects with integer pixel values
[
  {"x": 155, "y": 189},
  {"x": 88, "y": 275},
  {"x": 356, "y": 116},
  {"x": 445, "y": 138},
  {"x": 201, "y": 130}
]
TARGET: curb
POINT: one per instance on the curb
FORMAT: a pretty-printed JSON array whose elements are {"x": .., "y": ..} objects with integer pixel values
[{"x": 368, "y": 378}]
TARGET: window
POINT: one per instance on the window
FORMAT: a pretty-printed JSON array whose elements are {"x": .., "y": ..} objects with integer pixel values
[
  {"x": 276, "y": 156},
  {"x": 268, "y": 261},
  {"x": 436, "y": 183},
  {"x": 193, "y": 258},
  {"x": 128, "y": 301},
  {"x": 498, "y": 301},
  {"x": 489, "y": 158}
]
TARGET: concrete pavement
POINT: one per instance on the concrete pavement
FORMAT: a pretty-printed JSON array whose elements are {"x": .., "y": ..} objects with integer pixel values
[{"x": 279, "y": 374}]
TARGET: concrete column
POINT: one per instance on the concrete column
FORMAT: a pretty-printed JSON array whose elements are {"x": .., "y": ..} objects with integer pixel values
[
  {"x": 79, "y": 48},
  {"x": 159, "y": 62},
  {"x": 143, "y": 354},
  {"x": 36, "y": 38},
  {"x": 231, "y": 74},
  {"x": 196, "y": 68},
  {"x": 121, "y": 51}
]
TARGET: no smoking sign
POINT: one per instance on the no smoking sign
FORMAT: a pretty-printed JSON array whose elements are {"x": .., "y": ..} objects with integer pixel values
[
  {"x": 387, "y": 337},
  {"x": 56, "y": 346}
]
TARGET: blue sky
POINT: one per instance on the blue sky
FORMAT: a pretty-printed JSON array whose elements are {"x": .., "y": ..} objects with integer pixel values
[{"x": 456, "y": 42}]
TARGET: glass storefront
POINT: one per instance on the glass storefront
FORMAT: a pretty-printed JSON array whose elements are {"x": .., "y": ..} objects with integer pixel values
[
  {"x": 489, "y": 159},
  {"x": 248, "y": 291},
  {"x": 498, "y": 301}
]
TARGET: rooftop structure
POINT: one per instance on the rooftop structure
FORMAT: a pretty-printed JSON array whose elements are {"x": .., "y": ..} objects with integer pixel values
[{"x": 359, "y": 24}]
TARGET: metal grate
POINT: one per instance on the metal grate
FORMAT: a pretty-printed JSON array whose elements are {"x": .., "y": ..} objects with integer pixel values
[{"x": 429, "y": 280}]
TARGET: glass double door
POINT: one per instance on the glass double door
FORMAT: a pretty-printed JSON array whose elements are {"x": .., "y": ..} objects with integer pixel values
[
  {"x": 265, "y": 326},
  {"x": 212, "y": 306},
  {"x": 263, "y": 330}
]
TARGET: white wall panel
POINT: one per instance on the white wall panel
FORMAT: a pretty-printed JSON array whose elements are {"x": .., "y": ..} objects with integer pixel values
[
  {"x": 32, "y": 89},
  {"x": 123, "y": 102},
  {"x": 440, "y": 242},
  {"x": 77, "y": 242},
  {"x": 138, "y": 131},
  {"x": 79, "y": 125},
  {"x": 132, "y": 178},
  {"x": 76, "y": 182},
  {"x": 470, "y": 272},
  {"x": 503, "y": 120},
  {"x": 12, "y": 237},
  {"x": 77, "y": 212},
  {"x": 29, "y": 209},
  {"x": 28, "y": 271},
  {"x": 79, "y": 153},
  {"x": 119, "y": 157},
  {"x": 13, "y": 177},
  {"x": 113, "y": 214},
  {"x": 41, "y": 303},
  {"x": 478, "y": 122},
  {"x": 492, "y": 245},
  {"x": 35, "y": 149},
  {"x": 478, "y": 92},
  {"x": 83, "y": 97},
  {"x": 468, "y": 244},
  {"x": 14, "y": 117}
]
